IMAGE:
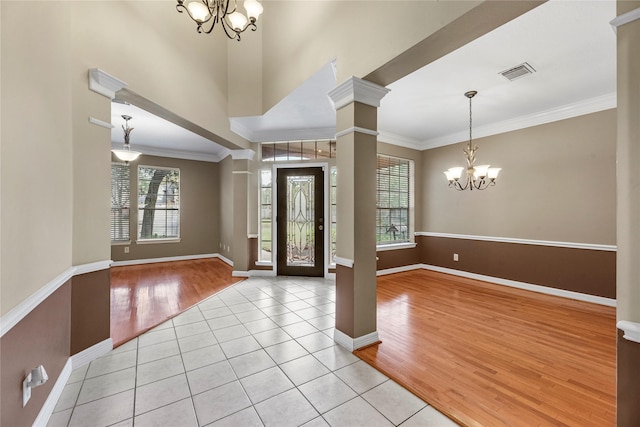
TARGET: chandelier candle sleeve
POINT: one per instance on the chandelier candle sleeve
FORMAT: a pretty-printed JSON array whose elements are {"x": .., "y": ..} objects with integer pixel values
[
  {"x": 477, "y": 177},
  {"x": 210, "y": 12}
]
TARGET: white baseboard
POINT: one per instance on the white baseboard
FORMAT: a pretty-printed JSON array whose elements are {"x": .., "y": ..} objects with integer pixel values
[
  {"x": 91, "y": 353},
  {"x": 262, "y": 273},
  {"x": 351, "y": 344},
  {"x": 225, "y": 259},
  {"x": 168, "y": 259},
  {"x": 237, "y": 273},
  {"x": 398, "y": 269},
  {"x": 330, "y": 276},
  {"x": 526, "y": 286},
  {"x": 52, "y": 400}
]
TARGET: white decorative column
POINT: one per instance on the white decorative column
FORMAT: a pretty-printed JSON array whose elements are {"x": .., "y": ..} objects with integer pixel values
[
  {"x": 356, "y": 102},
  {"x": 627, "y": 27},
  {"x": 241, "y": 173}
]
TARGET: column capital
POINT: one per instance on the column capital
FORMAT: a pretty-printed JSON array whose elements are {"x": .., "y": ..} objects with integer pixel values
[{"x": 355, "y": 89}]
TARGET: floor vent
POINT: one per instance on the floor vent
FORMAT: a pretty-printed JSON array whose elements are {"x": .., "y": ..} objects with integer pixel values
[{"x": 518, "y": 71}]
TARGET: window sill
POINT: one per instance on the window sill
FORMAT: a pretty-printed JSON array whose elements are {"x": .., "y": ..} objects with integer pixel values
[
  {"x": 394, "y": 246},
  {"x": 153, "y": 241},
  {"x": 120, "y": 242}
]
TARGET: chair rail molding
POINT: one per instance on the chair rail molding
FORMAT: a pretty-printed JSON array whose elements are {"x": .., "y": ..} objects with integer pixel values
[
  {"x": 631, "y": 330},
  {"x": 20, "y": 311},
  {"x": 574, "y": 245}
]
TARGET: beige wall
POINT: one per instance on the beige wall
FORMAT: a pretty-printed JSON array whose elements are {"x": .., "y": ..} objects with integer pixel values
[
  {"x": 199, "y": 206},
  {"x": 557, "y": 183},
  {"x": 36, "y": 165},
  {"x": 159, "y": 54},
  {"x": 339, "y": 30},
  {"x": 226, "y": 207}
]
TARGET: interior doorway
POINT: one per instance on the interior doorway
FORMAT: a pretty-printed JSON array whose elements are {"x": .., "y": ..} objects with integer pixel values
[{"x": 300, "y": 221}]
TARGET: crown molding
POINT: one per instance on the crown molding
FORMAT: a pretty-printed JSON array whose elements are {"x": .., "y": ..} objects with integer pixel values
[
  {"x": 402, "y": 141},
  {"x": 246, "y": 154},
  {"x": 625, "y": 18},
  {"x": 587, "y": 106},
  {"x": 276, "y": 135},
  {"x": 355, "y": 89},
  {"x": 177, "y": 154},
  {"x": 104, "y": 83}
]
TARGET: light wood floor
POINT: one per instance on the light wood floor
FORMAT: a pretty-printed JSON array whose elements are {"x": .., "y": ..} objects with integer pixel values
[
  {"x": 143, "y": 296},
  {"x": 489, "y": 355}
]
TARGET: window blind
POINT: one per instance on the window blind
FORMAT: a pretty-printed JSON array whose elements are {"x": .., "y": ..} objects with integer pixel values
[
  {"x": 393, "y": 199},
  {"x": 120, "y": 202}
]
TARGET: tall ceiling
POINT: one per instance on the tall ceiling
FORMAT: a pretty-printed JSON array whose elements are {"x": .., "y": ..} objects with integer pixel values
[{"x": 570, "y": 44}]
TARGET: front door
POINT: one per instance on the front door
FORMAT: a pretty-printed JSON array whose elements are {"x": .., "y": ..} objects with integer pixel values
[{"x": 300, "y": 221}]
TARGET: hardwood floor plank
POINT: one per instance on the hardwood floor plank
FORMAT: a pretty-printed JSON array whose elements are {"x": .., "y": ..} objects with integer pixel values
[
  {"x": 145, "y": 295},
  {"x": 486, "y": 354}
]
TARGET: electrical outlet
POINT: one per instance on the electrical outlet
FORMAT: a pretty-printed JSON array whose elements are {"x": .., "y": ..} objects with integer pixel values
[
  {"x": 126, "y": 249},
  {"x": 455, "y": 257},
  {"x": 26, "y": 390}
]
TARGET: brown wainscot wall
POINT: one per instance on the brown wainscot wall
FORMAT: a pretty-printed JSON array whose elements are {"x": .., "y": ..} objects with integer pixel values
[
  {"x": 397, "y": 258},
  {"x": 73, "y": 318},
  {"x": 41, "y": 338},
  {"x": 586, "y": 271},
  {"x": 628, "y": 413},
  {"x": 90, "y": 309}
]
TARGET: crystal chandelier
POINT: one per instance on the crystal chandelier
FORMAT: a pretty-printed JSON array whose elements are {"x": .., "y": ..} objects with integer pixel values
[
  {"x": 126, "y": 153},
  {"x": 476, "y": 177},
  {"x": 210, "y": 12}
]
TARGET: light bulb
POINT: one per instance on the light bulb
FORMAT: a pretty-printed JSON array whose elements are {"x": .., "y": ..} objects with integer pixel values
[
  {"x": 253, "y": 8},
  {"x": 480, "y": 171},
  {"x": 238, "y": 21},
  {"x": 493, "y": 173},
  {"x": 198, "y": 11},
  {"x": 455, "y": 173}
]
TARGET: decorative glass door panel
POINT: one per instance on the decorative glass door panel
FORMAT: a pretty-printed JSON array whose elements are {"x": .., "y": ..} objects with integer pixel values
[{"x": 300, "y": 222}]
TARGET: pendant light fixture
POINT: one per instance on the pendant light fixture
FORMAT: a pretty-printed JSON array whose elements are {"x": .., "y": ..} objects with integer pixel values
[
  {"x": 476, "y": 177},
  {"x": 210, "y": 12},
  {"x": 126, "y": 153}
]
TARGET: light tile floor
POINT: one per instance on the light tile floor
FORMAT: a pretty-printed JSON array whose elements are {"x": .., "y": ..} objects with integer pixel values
[{"x": 259, "y": 353}]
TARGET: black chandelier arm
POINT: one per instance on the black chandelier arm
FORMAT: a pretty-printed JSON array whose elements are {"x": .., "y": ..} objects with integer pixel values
[{"x": 230, "y": 32}]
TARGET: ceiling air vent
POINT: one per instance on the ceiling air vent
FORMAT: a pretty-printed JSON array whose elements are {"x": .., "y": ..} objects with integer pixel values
[{"x": 518, "y": 71}]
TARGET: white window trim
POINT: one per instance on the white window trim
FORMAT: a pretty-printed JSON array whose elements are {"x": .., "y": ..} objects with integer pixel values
[
  {"x": 152, "y": 241},
  {"x": 160, "y": 240},
  {"x": 120, "y": 242},
  {"x": 395, "y": 246}
]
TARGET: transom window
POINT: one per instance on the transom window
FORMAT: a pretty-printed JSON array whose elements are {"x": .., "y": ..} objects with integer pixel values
[{"x": 158, "y": 203}]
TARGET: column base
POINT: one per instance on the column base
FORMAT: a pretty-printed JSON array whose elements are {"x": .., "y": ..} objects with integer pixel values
[{"x": 352, "y": 344}]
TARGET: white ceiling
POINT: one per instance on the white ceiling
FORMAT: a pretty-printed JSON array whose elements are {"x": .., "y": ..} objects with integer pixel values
[
  {"x": 156, "y": 136},
  {"x": 569, "y": 43}
]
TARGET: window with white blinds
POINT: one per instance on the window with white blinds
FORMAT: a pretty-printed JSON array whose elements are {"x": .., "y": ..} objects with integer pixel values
[
  {"x": 120, "y": 202},
  {"x": 393, "y": 186}
]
